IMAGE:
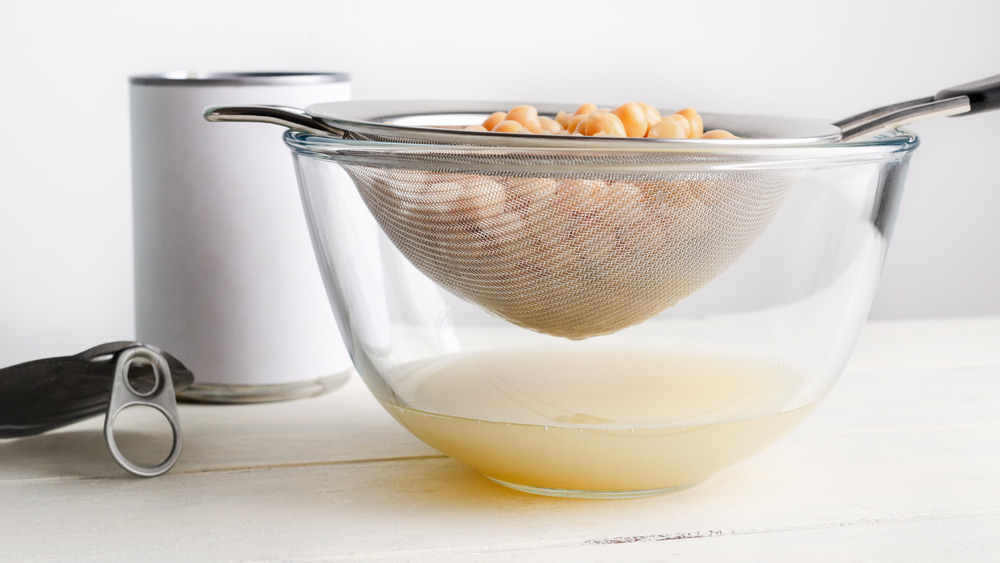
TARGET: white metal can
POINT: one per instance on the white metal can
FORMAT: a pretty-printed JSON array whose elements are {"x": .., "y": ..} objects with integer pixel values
[{"x": 225, "y": 275}]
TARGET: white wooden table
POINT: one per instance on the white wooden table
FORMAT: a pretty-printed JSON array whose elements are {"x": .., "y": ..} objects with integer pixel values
[{"x": 901, "y": 462}]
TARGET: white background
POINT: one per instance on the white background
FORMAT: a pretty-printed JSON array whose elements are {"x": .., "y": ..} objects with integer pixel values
[{"x": 65, "y": 203}]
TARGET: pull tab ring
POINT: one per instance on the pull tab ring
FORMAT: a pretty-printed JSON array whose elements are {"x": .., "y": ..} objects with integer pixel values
[{"x": 160, "y": 397}]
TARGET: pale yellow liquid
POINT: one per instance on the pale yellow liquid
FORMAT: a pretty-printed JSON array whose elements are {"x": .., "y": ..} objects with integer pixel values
[{"x": 593, "y": 422}]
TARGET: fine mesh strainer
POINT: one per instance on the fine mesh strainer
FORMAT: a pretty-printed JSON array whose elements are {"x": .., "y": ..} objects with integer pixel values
[{"x": 567, "y": 235}]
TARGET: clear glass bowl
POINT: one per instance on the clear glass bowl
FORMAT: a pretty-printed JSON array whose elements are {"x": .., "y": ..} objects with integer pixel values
[{"x": 651, "y": 408}]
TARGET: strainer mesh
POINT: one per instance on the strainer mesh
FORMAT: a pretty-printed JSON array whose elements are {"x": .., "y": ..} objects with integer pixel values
[{"x": 572, "y": 254}]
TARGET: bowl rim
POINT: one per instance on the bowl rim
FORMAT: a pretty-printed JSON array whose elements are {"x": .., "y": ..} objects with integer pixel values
[{"x": 695, "y": 154}]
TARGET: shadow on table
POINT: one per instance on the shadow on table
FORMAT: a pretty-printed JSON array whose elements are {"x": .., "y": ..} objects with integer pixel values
[{"x": 76, "y": 453}]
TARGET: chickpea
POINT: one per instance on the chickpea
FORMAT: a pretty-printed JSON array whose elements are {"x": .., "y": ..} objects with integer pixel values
[
  {"x": 697, "y": 127},
  {"x": 508, "y": 126},
  {"x": 602, "y": 122},
  {"x": 481, "y": 202},
  {"x": 581, "y": 195},
  {"x": 673, "y": 126},
  {"x": 633, "y": 117},
  {"x": 494, "y": 119},
  {"x": 457, "y": 204},
  {"x": 549, "y": 125},
  {"x": 574, "y": 122},
  {"x": 563, "y": 119},
  {"x": 526, "y": 116},
  {"x": 670, "y": 127},
  {"x": 522, "y": 193},
  {"x": 652, "y": 114},
  {"x": 718, "y": 134}
]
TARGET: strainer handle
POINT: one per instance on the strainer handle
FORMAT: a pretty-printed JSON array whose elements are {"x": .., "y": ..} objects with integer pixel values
[
  {"x": 293, "y": 118},
  {"x": 984, "y": 95},
  {"x": 973, "y": 97}
]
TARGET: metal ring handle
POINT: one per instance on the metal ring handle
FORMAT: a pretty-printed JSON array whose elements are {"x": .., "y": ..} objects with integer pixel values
[{"x": 161, "y": 397}]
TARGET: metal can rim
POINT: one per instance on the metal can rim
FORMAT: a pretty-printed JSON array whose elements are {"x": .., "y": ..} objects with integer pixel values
[{"x": 199, "y": 78}]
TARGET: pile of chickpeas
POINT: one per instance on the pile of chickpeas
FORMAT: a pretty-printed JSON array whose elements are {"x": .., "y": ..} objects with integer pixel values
[
  {"x": 545, "y": 251},
  {"x": 634, "y": 119}
]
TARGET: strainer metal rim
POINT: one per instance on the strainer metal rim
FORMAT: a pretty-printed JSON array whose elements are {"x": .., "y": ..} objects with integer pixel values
[
  {"x": 587, "y": 162},
  {"x": 421, "y": 121}
]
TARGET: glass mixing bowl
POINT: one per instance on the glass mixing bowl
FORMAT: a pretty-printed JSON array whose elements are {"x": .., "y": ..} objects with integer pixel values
[{"x": 655, "y": 407}]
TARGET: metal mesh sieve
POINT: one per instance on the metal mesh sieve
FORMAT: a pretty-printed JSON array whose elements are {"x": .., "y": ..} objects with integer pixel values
[
  {"x": 573, "y": 255},
  {"x": 569, "y": 243}
]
